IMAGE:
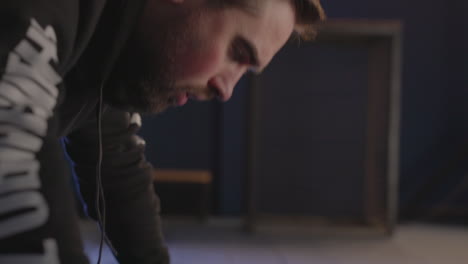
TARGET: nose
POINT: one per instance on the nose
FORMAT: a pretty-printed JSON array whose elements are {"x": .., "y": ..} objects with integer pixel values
[{"x": 225, "y": 82}]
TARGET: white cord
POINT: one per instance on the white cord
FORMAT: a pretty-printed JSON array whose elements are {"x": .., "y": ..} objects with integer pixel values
[{"x": 99, "y": 188}]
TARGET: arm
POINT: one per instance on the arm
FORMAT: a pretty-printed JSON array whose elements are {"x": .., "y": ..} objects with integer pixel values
[
  {"x": 132, "y": 207},
  {"x": 37, "y": 214}
]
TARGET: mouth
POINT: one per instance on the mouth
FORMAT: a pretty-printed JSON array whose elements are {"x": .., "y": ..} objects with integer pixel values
[
  {"x": 195, "y": 97},
  {"x": 206, "y": 94},
  {"x": 179, "y": 99}
]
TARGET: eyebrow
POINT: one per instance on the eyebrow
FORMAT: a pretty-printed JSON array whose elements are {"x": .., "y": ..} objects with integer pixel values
[
  {"x": 251, "y": 7},
  {"x": 253, "y": 52}
]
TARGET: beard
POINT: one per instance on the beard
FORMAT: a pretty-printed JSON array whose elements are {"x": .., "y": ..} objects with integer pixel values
[{"x": 142, "y": 79}]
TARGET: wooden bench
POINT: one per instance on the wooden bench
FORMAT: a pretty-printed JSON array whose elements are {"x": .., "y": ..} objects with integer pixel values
[{"x": 184, "y": 192}]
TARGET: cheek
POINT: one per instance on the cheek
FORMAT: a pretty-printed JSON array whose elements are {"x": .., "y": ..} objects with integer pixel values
[
  {"x": 203, "y": 51},
  {"x": 200, "y": 64}
]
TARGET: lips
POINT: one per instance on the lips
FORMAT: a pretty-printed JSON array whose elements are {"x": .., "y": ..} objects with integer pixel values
[
  {"x": 181, "y": 99},
  {"x": 202, "y": 94}
]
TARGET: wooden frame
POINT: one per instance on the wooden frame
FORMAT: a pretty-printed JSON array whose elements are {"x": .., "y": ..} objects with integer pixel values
[
  {"x": 201, "y": 178},
  {"x": 383, "y": 38}
]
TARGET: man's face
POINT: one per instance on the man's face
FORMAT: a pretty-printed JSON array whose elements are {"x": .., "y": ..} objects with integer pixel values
[{"x": 196, "y": 51}]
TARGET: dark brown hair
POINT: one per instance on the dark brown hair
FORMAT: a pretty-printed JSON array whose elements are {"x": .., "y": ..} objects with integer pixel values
[{"x": 308, "y": 14}]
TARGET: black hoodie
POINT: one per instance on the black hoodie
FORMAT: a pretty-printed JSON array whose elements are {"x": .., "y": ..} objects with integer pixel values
[{"x": 54, "y": 58}]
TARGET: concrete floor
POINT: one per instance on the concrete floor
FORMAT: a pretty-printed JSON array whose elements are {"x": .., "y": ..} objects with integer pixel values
[{"x": 222, "y": 242}]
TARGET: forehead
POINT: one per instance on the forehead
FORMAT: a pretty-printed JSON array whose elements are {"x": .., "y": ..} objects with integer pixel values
[
  {"x": 267, "y": 24},
  {"x": 255, "y": 7}
]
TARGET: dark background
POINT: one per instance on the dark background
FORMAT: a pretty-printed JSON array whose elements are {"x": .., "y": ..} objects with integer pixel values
[{"x": 434, "y": 121}]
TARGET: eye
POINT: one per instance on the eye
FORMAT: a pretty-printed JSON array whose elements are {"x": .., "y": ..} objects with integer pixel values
[{"x": 240, "y": 53}]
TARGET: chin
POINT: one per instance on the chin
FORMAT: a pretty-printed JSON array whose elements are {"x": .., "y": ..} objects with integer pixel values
[
  {"x": 137, "y": 106},
  {"x": 139, "y": 99}
]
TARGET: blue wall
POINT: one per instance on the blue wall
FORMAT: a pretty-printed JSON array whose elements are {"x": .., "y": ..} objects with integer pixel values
[
  {"x": 434, "y": 98},
  {"x": 435, "y": 85}
]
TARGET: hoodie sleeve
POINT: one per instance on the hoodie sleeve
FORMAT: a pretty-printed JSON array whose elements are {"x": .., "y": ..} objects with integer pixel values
[
  {"x": 38, "y": 222},
  {"x": 132, "y": 207}
]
